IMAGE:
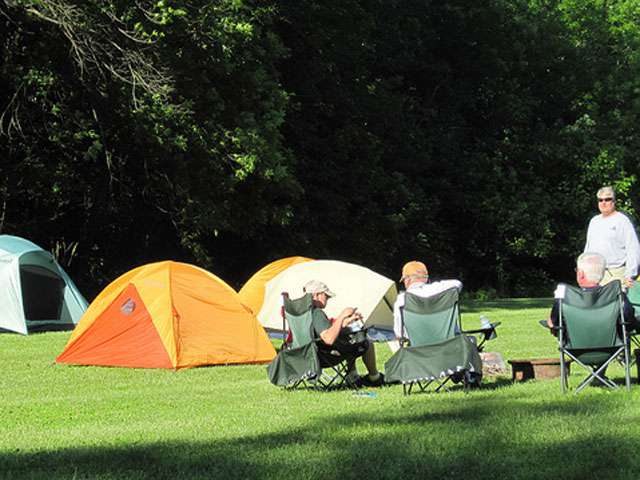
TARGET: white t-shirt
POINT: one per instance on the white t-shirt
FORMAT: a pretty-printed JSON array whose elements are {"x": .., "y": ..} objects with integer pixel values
[
  {"x": 614, "y": 237},
  {"x": 422, "y": 290}
]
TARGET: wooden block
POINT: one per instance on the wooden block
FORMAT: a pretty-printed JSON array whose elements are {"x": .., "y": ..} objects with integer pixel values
[{"x": 535, "y": 368}]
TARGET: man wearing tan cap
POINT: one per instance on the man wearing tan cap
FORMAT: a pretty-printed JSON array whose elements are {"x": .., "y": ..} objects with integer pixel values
[
  {"x": 415, "y": 277},
  {"x": 332, "y": 336}
]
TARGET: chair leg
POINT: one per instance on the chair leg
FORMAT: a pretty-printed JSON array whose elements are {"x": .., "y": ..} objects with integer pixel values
[
  {"x": 339, "y": 378},
  {"x": 564, "y": 381},
  {"x": 627, "y": 367},
  {"x": 443, "y": 384},
  {"x": 634, "y": 354},
  {"x": 294, "y": 385},
  {"x": 595, "y": 373},
  {"x": 407, "y": 390},
  {"x": 408, "y": 387}
]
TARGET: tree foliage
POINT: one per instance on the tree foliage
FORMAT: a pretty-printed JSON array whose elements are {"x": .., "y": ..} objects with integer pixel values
[{"x": 228, "y": 133}]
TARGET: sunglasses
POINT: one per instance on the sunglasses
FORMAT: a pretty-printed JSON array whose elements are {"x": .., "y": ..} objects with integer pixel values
[{"x": 608, "y": 199}]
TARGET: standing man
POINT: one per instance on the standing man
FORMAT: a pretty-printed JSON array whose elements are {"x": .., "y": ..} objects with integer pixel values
[
  {"x": 415, "y": 277},
  {"x": 612, "y": 235}
]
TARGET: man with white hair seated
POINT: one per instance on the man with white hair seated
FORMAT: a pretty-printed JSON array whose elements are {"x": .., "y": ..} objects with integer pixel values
[{"x": 590, "y": 268}]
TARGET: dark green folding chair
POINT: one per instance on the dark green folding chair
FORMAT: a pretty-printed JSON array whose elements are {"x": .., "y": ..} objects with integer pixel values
[
  {"x": 436, "y": 350},
  {"x": 633, "y": 294},
  {"x": 300, "y": 361},
  {"x": 592, "y": 333}
]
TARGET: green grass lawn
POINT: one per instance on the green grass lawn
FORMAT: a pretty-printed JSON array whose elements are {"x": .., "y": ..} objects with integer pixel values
[{"x": 230, "y": 422}]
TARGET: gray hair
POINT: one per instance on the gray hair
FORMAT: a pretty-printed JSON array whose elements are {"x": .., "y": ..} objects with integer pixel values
[
  {"x": 606, "y": 192},
  {"x": 593, "y": 265}
]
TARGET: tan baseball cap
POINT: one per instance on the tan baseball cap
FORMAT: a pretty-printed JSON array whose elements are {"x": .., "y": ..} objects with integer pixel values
[{"x": 414, "y": 268}]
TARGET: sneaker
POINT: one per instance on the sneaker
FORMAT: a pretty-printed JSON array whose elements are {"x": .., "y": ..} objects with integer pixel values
[
  {"x": 367, "y": 382},
  {"x": 474, "y": 380}
]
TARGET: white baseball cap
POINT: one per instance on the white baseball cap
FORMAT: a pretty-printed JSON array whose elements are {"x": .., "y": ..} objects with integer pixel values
[{"x": 316, "y": 286}]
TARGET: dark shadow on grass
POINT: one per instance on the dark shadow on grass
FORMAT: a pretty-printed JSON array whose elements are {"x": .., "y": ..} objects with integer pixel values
[
  {"x": 472, "y": 306},
  {"x": 49, "y": 327},
  {"x": 476, "y": 438},
  {"x": 489, "y": 383},
  {"x": 495, "y": 383}
]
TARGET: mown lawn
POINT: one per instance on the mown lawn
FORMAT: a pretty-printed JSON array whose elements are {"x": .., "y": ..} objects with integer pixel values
[{"x": 229, "y": 422}]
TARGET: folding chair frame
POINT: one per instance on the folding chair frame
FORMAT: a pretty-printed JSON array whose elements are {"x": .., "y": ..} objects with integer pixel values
[
  {"x": 593, "y": 372},
  {"x": 424, "y": 385},
  {"x": 634, "y": 300},
  {"x": 487, "y": 334},
  {"x": 633, "y": 358},
  {"x": 324, "y": 381},
  {"x": 338, "y": 379},
  {"x": 442, "y": 384}
]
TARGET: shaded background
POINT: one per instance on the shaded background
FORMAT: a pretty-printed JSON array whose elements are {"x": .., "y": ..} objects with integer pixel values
[{"x": 230, "y": 133}]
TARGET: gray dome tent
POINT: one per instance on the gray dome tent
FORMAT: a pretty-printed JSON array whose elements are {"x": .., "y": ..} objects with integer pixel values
[{"x": 35, "y": 292}]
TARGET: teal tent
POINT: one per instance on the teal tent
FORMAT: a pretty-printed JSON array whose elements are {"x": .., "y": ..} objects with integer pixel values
[{"x": 35, "y": 292}]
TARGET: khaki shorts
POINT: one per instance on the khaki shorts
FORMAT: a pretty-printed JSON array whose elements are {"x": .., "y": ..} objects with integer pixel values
[{"x": 611, "y": 274}]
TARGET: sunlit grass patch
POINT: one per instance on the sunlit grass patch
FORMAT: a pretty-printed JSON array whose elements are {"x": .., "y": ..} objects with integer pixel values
[{"x": 229, "y": 422}]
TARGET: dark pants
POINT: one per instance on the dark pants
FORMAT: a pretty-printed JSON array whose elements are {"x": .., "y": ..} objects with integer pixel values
[{"x": 348, "y": 346}]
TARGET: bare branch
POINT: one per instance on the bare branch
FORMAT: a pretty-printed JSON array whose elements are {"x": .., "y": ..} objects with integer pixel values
[
  {"x": 12, "y": 108},
  {"x": 133, "y": 38},
  {"x": 106, "y": 47},
  {"x": 3, "y": 215}
]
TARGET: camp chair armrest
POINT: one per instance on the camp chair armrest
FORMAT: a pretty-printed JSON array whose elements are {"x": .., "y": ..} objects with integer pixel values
[
  {"x": 632, "y": 327},
  {"x": 554, "y": 328},
  {"x": 478, "y": 330},
  {"x": 486, "y": 331}
]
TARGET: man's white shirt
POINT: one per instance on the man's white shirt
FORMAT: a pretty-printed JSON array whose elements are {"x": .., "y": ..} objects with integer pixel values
[
  {"x": 422, "y": 290},
  {"x": 614, "y": 237}
]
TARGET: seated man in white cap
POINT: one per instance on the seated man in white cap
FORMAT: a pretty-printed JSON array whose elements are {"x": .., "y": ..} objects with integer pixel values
[
  {"x": 415, "y": 277},
  {"x": 333, "y": 336}
]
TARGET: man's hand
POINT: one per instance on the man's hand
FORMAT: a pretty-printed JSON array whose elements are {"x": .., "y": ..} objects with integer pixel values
[{"x": 348, "y": 316}]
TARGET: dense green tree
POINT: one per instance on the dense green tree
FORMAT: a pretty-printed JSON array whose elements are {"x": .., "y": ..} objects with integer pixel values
[
  {"x": 448, "y": 116},
  {"x": 141, "y": 131},
  {"x": 229, "y": 133}
]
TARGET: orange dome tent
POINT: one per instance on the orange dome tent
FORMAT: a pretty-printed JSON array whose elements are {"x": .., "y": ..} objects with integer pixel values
[
  {"x": 252, "y": 293},
  {"x": 167, "y": 315}
]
